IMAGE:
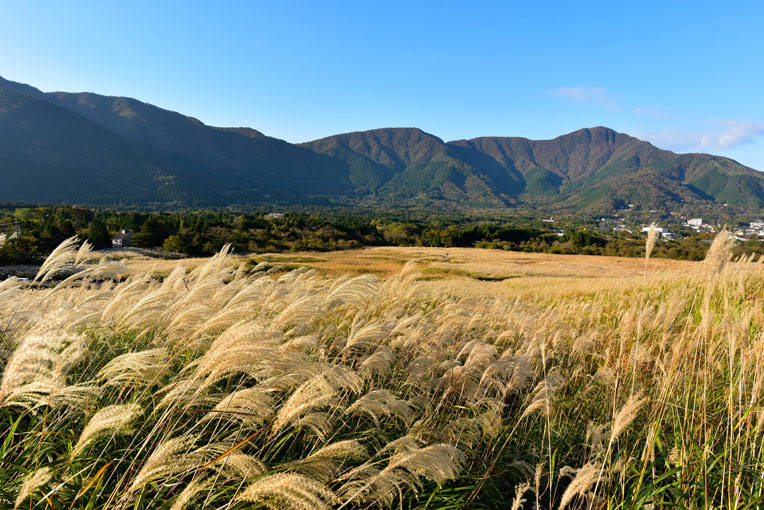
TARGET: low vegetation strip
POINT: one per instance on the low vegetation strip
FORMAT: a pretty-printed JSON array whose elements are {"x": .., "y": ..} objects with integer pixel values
[
  {"x": 228, "y": 386},
  {"x": 29, "y": 234}
]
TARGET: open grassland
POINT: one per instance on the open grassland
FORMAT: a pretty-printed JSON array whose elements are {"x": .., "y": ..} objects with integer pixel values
[
  {"x": 437, "y": 378},
  {"x": 465, "y": 267}
]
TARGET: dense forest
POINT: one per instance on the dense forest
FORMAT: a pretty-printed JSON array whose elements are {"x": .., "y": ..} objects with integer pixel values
[{"x": 200, "y": 233}]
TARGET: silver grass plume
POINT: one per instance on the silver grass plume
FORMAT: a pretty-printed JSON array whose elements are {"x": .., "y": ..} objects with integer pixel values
[
  {"x": 179, "y": 392},
  {"x": 719, "y": 253},
  {"x": 103, "y": 270},
  {"x": 626, "y": 415},
  {"x": 544, "y": 392},
  {"x": 114, "y": 419},
  {"x": 320, "y": 391},
  {"x": 241, "y": 465},
  {"x": 438, "y": 463},
  {"x": 520, "y": 489},
  {"x": 124, "y": 295},
  {"x": 261, "y": 266},
  {"x": 83, "y": 253},
  {"x": 29, "y": 396},
  {"x": 167, "y": 459},
  {"x": 324, "y": 463},
  {"x": 135, "y": 368},
  {"x": 192, "y": 489},
  {"x": 354, "y": 292},
  {"x": 405, "y": 469},
  {"x": 247, "y": 406},
  {"x": 224, "y": 319},
  {"x": 652, "y": 238},
  {"x": 44, "y": 358},
  {"x": 339, "y": 450},
  {"x": 61, "y": 258},
  {"x": 303, "y": 311},
  {"x": 245, "y": 348},
  {"x": 380, "y": 362},
  {"x": 213, "y": 267},
  {"x": 32, "y": 482},
  {"x": 382, "y": 403},
  {"x": 145, "y": 311},
  {"x": 289, "y": 491},
  {"x": 583, "y": 481},
  {"x": 369, "y": 336},
  {"x": 469, "y": 430},
  {"x": 407, "y": 443},
  {"x": 303, "y": 343}
]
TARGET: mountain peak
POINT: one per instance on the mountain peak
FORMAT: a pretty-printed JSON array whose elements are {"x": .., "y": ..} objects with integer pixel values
[
  {"x": 598, "y": 134},
  {"x": 386, "y": 133}
]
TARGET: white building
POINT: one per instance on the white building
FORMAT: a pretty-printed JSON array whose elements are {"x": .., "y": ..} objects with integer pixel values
[
  {"x": 695, "y": 222},
  {"x": 122, "y": 239},
  {"x": 660, "y": 230}
]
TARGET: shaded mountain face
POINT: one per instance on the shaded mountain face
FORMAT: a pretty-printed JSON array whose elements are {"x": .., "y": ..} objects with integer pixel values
[
  {"x": 49, "y": 154},
  {"x": 217, "y": 165},
  {"x": 105, "y": 150}
]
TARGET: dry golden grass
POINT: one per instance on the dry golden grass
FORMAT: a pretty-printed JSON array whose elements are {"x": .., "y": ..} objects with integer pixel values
[
  {"x": 438, "y": 378},
  {"x": 481, "y": 272},
  {"x": 445, "y": 262},
  {"x": 476, "y": 262}
]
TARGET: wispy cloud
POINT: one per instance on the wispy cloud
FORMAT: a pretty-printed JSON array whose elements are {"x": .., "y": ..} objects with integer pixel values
[
  {"x": 597, "y": 95},
  {"x": 711, "y": 135},
  {"x": 728, "y": 134}
]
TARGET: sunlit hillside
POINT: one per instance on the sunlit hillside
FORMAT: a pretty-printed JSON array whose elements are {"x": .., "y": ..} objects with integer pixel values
[{"x": 383, "y": 378}]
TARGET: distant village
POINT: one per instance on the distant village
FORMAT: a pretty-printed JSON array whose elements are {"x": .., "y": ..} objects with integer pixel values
[{"x": 683, "y": 228}]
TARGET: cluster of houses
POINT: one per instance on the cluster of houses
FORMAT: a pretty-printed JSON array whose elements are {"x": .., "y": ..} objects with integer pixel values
[
  {"x": 663, "y": 231},
  {"x": 754, "y": 229},
  {"x": 698, "y": 225},
  {"x": 613, "y": 225}
]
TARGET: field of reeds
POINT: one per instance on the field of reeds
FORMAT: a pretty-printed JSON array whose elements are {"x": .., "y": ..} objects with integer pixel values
[{"x": 230, "y": 386}]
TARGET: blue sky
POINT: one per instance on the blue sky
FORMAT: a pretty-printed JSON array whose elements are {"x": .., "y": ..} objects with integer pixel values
[{"x": 688, "y": 76}]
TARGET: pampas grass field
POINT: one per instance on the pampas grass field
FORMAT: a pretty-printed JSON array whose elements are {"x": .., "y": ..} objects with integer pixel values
[{"x": 225, "y": 385}]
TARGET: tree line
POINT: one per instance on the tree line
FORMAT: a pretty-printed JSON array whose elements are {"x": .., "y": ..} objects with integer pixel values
[{"x": 202, "y": 233}]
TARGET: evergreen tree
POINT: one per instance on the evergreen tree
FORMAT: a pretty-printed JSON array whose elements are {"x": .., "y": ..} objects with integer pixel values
[
  {"x": 150, "y": 235},
  {"x": 98, "y": 235}
]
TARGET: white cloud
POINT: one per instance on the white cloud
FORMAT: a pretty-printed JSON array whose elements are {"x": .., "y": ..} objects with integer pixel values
[
  {"x": 739, "y": 132},
  {"x": 597, "y": 95},
  {"x": 732, "y": 134}
]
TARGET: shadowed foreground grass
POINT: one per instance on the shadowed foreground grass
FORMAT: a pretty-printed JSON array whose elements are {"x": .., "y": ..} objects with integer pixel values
[{"x": 225, "y": 388}]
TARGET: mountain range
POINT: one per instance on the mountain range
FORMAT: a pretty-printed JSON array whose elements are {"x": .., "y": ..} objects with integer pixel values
[{"x": 116, "y": 151}]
